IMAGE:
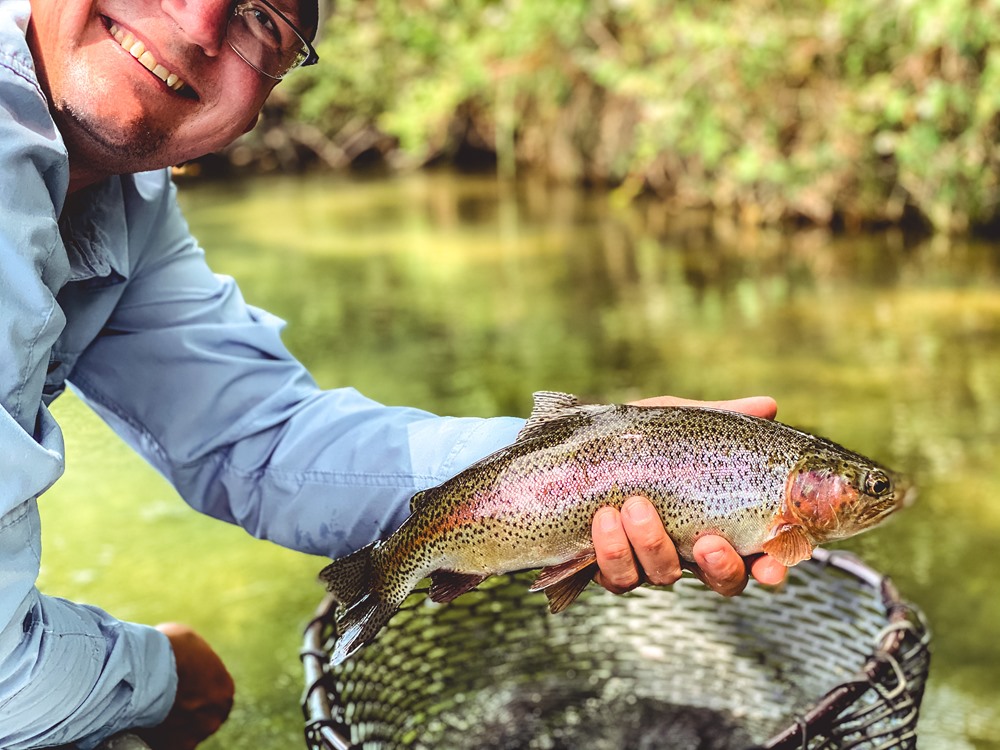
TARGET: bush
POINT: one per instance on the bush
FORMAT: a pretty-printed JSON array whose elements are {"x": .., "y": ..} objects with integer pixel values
[{"x": 852, "y": 112}]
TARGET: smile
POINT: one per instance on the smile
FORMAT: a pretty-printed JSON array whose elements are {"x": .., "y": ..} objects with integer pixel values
[{"x": 138, "y": 50}]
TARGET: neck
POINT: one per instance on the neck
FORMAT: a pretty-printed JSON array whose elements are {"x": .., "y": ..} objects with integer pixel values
[{"x": 82, "y": 179}]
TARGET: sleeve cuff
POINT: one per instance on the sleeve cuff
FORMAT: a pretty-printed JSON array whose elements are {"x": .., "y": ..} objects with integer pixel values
[
  {"x": 153, "y": 678},
  {"x": 472, "y": 439},
  {"x": 80, "y": 676}
]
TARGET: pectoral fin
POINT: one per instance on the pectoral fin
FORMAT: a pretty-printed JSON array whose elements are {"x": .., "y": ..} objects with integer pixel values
[
  {"x": 789, "y": 545},
  {"x": 564, "y": 582}
]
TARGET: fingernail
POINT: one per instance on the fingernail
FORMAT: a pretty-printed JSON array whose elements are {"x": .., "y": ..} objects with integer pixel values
[
  {"x": 715, "y": 556},
  {"x": 606, "y": 519},
  {"x": 637, "y": 511}
]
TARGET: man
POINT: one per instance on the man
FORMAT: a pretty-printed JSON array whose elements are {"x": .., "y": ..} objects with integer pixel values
[{"x": 101, "y": 285}]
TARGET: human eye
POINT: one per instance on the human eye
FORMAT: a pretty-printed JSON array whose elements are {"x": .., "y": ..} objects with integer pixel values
[{"x": 262, "y": 24}]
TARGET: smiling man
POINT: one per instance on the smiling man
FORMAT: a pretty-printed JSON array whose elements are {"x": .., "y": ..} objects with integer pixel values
[
  {"x": 135, "y": 86},
  {"x": 103, "y": 287}
]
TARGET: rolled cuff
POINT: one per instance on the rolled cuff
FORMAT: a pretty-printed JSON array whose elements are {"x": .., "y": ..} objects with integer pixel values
[{"x": 77, "y": 675}]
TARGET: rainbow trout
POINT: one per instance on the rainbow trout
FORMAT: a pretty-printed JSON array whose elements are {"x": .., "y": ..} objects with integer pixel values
[{"x": 764, "y": 486}]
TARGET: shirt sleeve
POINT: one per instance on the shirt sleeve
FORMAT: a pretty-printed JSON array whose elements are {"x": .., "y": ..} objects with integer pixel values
[
  {"x": 67, "y": 671},
  {"x": 200, "y": 383}
]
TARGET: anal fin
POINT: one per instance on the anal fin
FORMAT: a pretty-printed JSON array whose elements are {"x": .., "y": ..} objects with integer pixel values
[
  {"x": 450, "y": 584},
  {"x": 789, "y": 545}
]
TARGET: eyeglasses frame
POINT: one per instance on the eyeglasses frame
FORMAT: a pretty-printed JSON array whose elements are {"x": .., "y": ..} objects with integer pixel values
[{"x": 310, "y": 59}]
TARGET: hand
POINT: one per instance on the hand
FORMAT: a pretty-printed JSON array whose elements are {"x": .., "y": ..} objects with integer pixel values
[
  {"x": 632, "y": 546},
  {"x": 204, "y": 693}
]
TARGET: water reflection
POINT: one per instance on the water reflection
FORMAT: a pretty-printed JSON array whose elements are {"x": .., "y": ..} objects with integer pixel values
[{"x": 463, "y": 296}]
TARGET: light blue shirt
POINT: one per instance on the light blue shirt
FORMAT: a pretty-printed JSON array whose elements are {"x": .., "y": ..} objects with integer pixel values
[{"x": 106, "y": 290}]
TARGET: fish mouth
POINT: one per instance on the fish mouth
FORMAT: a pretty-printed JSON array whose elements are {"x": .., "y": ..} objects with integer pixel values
[
  {"x": 872, "y": 515},
  {"x": 871, "y": 511},
  {"x": 140, "y": 51},
  {"x": 908, "y": 497}
]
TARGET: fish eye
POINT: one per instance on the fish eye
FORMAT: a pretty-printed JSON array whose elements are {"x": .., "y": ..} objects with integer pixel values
[{"x": 877, "y": 484}]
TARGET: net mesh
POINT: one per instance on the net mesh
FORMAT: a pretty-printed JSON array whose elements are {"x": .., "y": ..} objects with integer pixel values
[{"x": 833, "y": 659}]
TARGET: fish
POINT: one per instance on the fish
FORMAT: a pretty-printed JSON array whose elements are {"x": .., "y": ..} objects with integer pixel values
[{"x": 763, "y": 485}]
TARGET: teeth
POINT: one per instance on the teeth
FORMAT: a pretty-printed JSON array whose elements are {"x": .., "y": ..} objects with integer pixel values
[
  {"x": 148, "y": 61},
  {"x": 138, "y": 50}
]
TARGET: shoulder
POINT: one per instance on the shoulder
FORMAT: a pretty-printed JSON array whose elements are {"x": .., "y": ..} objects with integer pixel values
[
  {"x": 149, "y": 197},
  {"x": 155, "y": 223},
  {"x": 30, "y": 143},
  {"x": 150, "y": 188},
  {"x": 150, "y": 201},
  {"x": 17, "y": 68}
]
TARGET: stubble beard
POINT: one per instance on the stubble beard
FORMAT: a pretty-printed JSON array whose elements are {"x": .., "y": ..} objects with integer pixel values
[
  {"x": 99, "y": 144},
  {"x": 94, "y": 144}
]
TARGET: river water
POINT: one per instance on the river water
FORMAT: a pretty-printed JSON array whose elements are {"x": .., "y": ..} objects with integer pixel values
[{"x": 462, "y": 296}]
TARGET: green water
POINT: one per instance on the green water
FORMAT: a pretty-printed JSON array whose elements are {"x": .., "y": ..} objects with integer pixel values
[{"x": 458, "y": 296}]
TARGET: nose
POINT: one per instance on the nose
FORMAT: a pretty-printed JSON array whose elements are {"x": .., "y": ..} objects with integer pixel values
[{"x": 202, "y": 21}]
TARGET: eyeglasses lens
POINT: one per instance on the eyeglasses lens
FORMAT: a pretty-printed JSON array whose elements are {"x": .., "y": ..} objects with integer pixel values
[{"x": 265, "y": 40}]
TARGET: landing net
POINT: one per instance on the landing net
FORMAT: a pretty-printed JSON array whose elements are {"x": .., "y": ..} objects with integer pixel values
[{"x": 833, "y": 659}]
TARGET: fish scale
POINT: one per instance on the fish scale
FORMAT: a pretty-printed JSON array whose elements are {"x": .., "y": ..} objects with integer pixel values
[{"x": 761, "y": 484}]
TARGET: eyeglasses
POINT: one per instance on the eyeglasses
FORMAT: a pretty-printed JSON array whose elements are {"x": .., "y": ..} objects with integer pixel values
[{"x": 266, "y": 40}]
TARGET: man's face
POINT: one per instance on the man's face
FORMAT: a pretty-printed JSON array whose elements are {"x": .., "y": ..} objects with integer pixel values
[{"x": 115, "y": 111}]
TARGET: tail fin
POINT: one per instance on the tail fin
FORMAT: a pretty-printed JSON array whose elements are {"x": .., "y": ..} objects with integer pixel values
[
  {"x": 357, "y": 583},
  {"x": 348, "y": 578}
]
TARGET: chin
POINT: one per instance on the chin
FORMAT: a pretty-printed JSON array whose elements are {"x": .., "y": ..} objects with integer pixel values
[{"x": 107, "y": 144}]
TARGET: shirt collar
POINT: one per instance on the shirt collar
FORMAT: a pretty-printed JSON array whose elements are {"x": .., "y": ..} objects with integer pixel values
[{"x": 95, "y": 233}]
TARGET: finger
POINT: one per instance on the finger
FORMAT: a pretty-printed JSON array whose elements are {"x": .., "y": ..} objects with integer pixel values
[
  {"x": 653, "y": 549},
  {"x": 756, "y": 406},
  {"x": 723, "y": 570},
  {"x": 618, "y": 569},
  {"x": 768, "y": 571}
]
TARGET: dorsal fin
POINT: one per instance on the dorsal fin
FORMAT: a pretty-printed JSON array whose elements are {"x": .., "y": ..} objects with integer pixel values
[
  {"x": 548, "y": 406},
  {"x": 419, "y": 499}
]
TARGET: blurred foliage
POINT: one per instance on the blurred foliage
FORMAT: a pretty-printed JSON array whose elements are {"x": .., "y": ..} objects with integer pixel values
[{"x": 849, "y": 113}]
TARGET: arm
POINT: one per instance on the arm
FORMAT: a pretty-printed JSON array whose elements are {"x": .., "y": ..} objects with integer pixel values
[
  {"x": 633, "y": 547},
  {"x": 200, "y": 383},
  {"x": 67, "y": 672}
]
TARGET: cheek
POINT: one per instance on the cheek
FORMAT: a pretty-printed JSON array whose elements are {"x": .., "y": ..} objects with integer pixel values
[
  {"x": 221, "y": 127},
  {"x": 250, "y": 88},
  {"x": 237, "y": 103},
  {"x": 817, "y": 500}
]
